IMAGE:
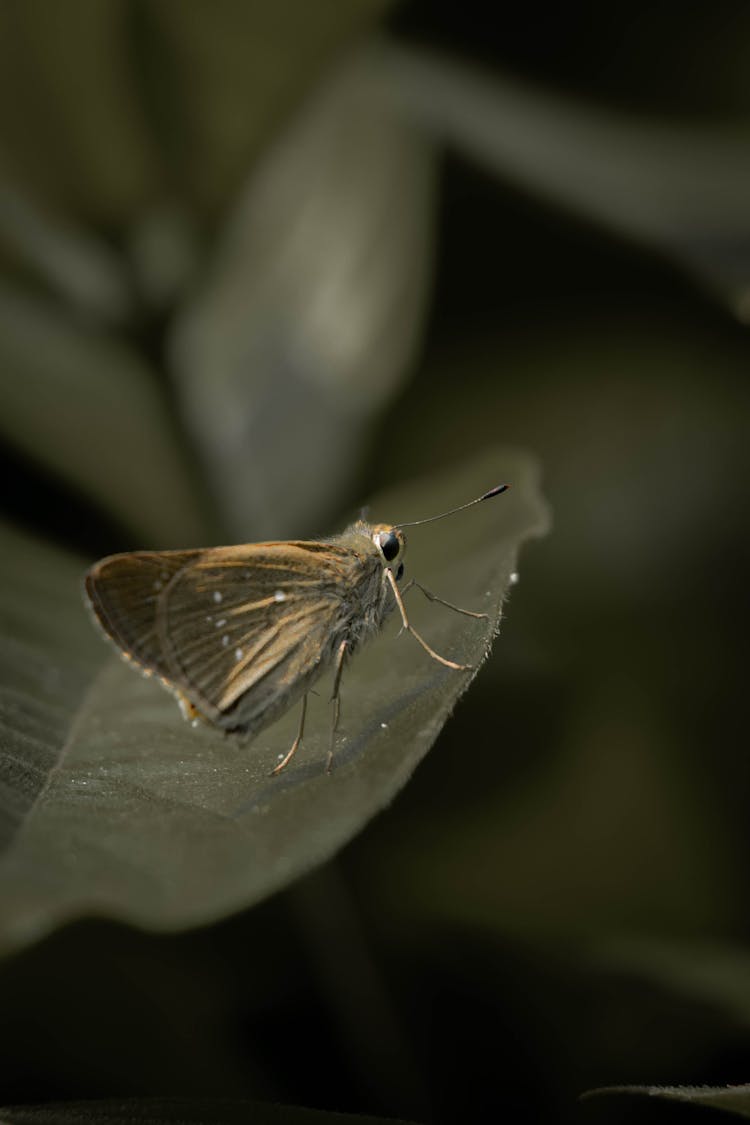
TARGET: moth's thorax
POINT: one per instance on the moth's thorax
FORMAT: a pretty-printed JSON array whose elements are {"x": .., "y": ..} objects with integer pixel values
[{"x": 365, "y": 593}]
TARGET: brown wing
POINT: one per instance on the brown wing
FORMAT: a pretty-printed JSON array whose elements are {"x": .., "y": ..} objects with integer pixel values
[
  {"x": 125, "y": 592},
  {"x": 247, "y": 629},
  {"x": 239, "y": 631}
]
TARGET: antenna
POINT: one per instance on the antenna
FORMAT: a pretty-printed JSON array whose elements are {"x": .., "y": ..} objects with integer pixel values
[{"x": 487, "y": 495}]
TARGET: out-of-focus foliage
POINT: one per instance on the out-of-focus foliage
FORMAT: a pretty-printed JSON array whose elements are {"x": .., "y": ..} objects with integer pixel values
[
  {"x": 91, "y": 411},
  {"x": 681, "y": 187},
  {"x": 221, "y": 227},
  {"x": 312, "y": 305}
]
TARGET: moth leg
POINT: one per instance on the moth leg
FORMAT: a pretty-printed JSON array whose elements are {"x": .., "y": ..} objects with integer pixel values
[
  {"x": 441, "y": 601},
  {"x": 410, "y": 628},
  {"x": 336, "y": 701},
  {"x": 405, "y": 590},
  {"x": 295, "y": 745}
]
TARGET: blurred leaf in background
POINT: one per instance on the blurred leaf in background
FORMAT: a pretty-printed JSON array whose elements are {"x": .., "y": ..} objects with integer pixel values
[
  {"x": 258, "y": 263},
  {"x": 309, "y": 314}
]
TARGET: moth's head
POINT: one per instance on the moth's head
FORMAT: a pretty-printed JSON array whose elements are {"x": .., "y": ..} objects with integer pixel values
[{"x": 391, "y": 545}]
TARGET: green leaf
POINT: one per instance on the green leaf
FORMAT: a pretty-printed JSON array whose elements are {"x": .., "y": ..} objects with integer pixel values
[
  {"x": 48, "y": 659},
  {"x": 680, "y": 186},
  {"x": 309, "y": 317},
  {"x": 75, "y": 262},
  {"x": 734, "y": 1100},
  {"x": 149, "y": 820},
  {"x": 88, "y": 408},
  {"x": 710, "y": 973},
  {"x": 162, "y": 1111},
  {"x": 126, "y": 103},
  {"x": 82, "y": 140},
  {"x": 225, "y": 75}
]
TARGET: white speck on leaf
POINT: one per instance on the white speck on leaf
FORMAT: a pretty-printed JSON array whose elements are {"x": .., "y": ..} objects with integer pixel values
[
  {"x": 217, "y": 596},
  {"x": 279, "y": 596}
]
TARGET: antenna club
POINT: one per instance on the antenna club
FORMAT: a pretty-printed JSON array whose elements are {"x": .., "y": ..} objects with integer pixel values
[{"x": 495, "y": 491}]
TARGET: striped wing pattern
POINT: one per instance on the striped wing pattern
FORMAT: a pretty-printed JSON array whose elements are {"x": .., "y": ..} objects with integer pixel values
[
  {"x": 250, "y": 633},
  {"x": 239, "y": 631}
]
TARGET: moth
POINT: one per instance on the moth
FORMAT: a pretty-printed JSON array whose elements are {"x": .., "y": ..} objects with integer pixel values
[{"x": 238, "y": 634}]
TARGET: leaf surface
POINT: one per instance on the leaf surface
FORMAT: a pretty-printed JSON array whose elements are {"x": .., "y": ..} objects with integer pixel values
[{"x": 147, "y": 819}]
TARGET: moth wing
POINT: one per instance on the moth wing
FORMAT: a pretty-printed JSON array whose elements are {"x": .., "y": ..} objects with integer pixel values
[
  {"x": 244, "y": 630},
  {"x": 125, "y": 593}
]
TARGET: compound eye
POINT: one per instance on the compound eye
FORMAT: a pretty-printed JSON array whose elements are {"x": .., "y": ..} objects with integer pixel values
[
  {"x": 400, "y": 572},
  {"x": 389, "y": 545}
]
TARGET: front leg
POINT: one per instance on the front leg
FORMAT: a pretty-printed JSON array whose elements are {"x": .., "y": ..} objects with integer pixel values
[{"x": 390, "y": 577}]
